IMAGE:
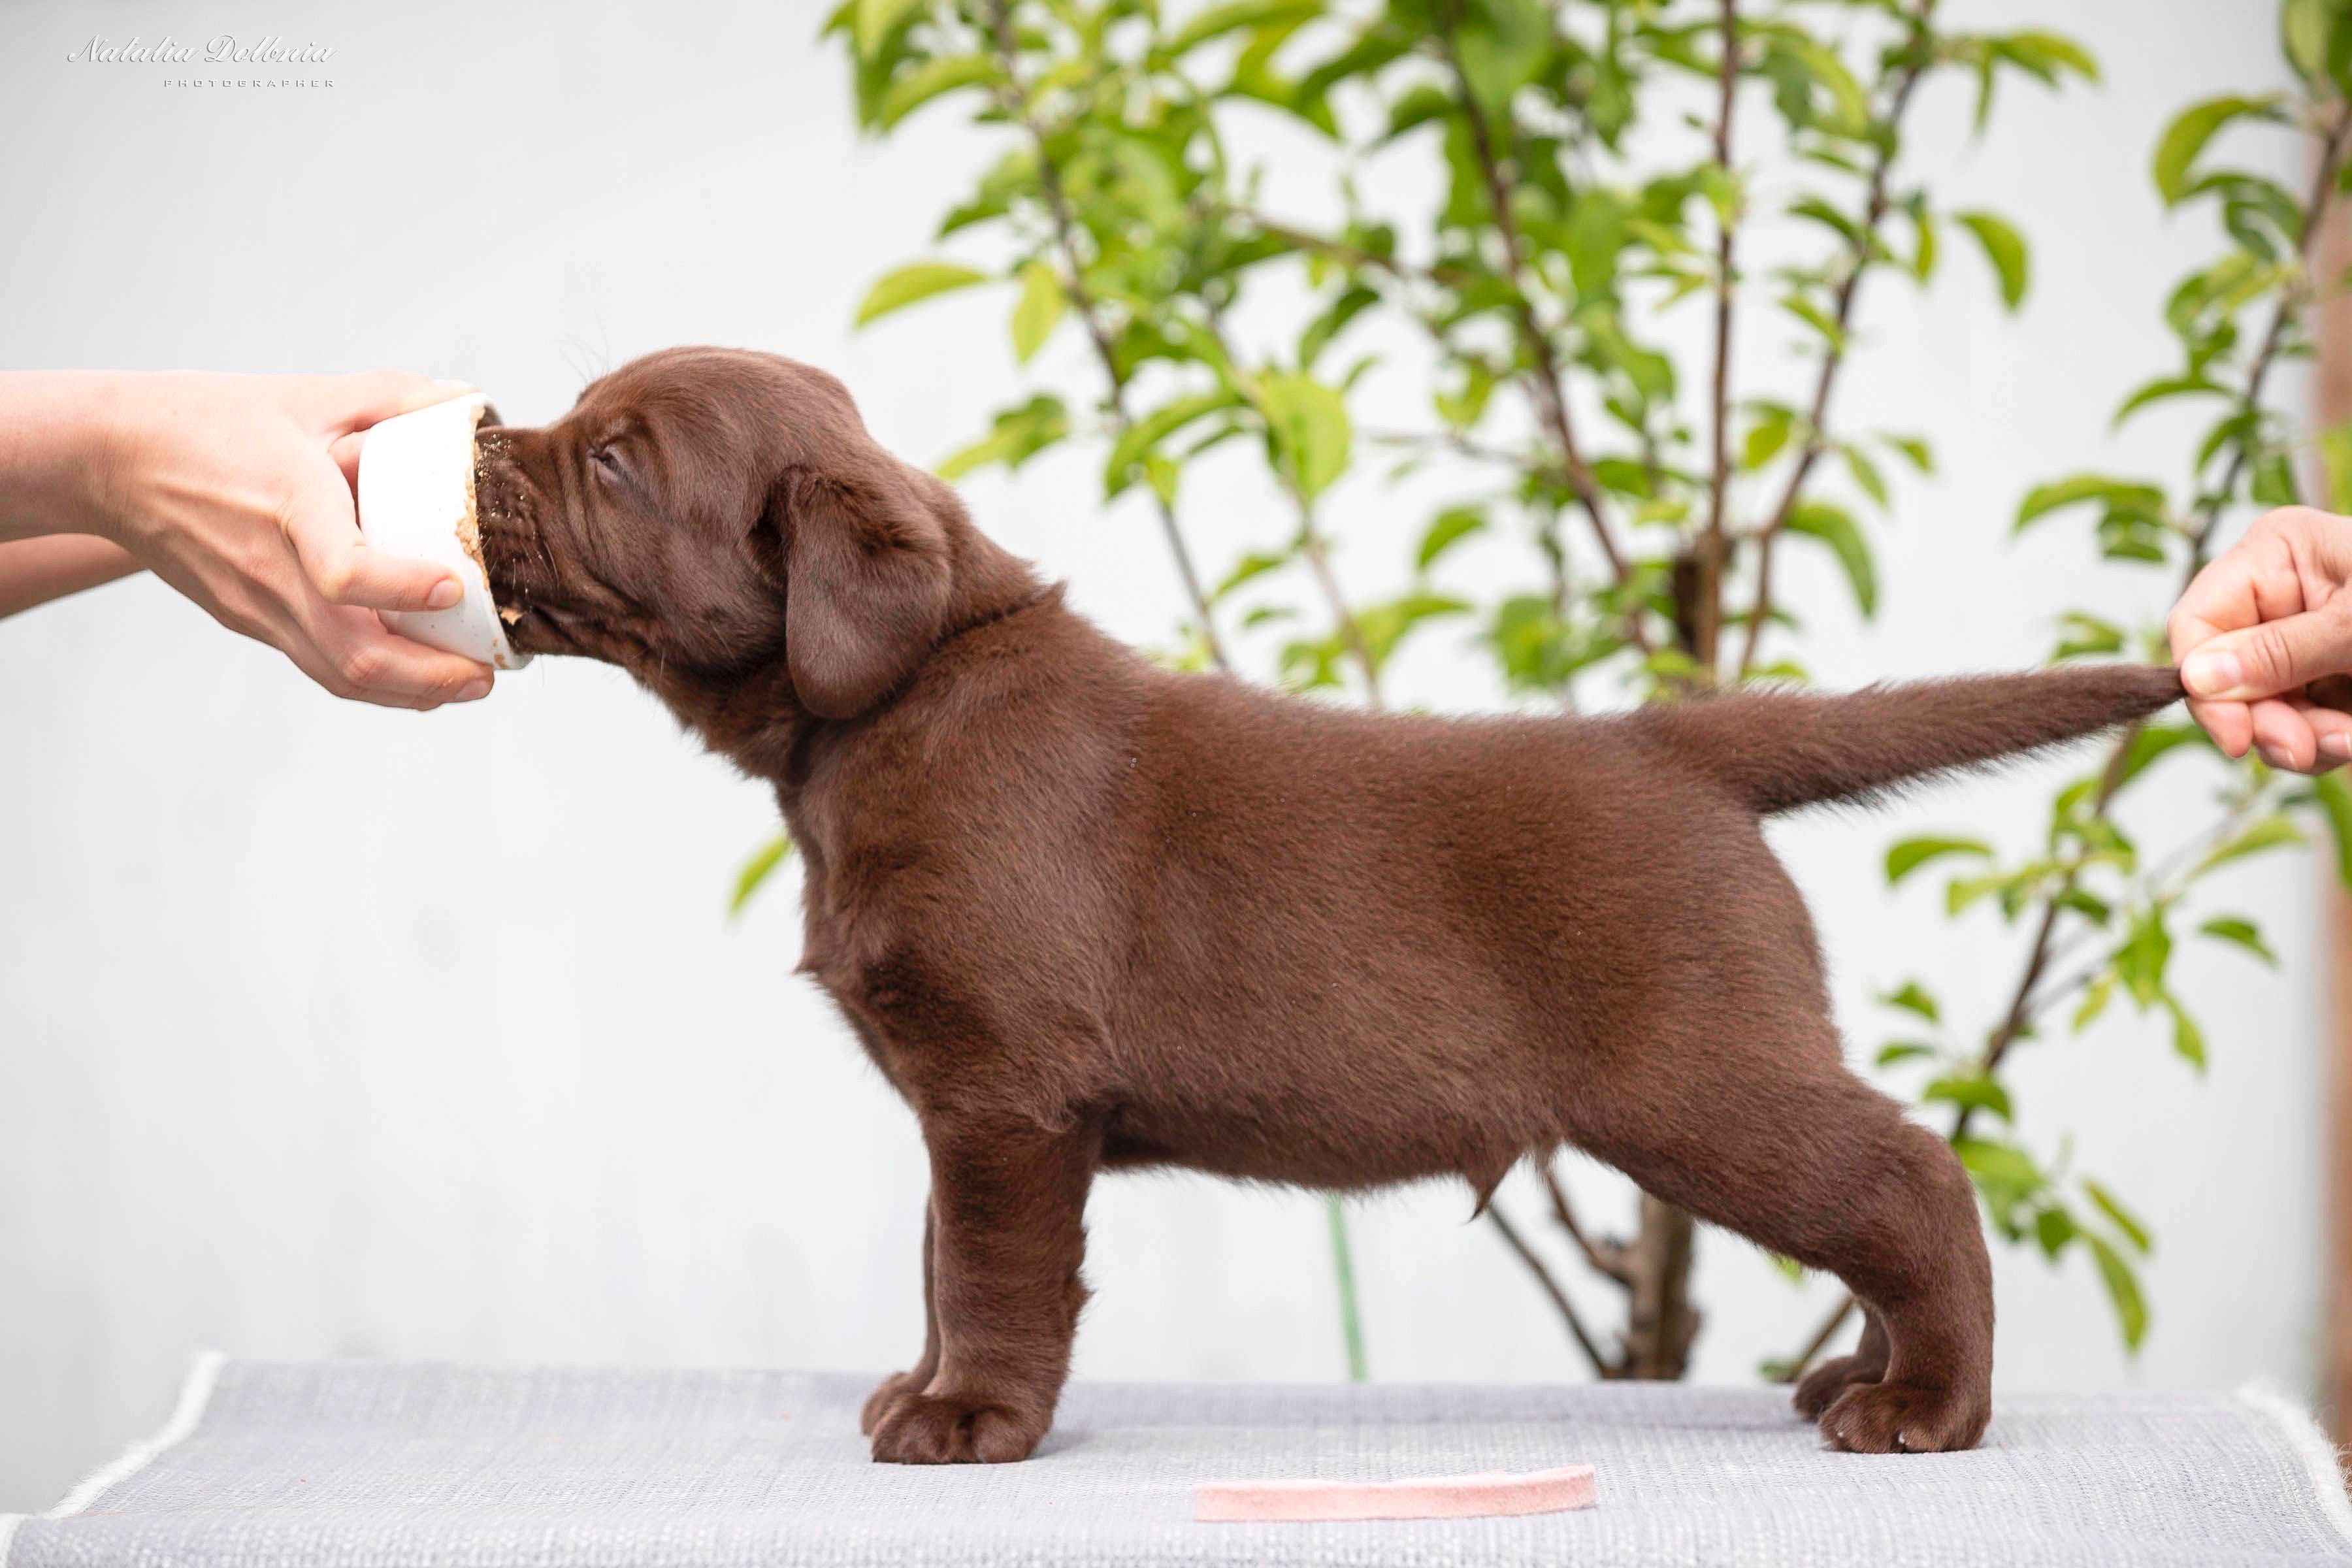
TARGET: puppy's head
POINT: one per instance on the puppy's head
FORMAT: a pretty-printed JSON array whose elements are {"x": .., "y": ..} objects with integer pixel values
[{"x": 701, "y": 513}]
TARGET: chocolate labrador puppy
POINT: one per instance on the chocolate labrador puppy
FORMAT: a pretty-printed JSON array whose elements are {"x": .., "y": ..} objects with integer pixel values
[{"x": 1086, "y": 914}]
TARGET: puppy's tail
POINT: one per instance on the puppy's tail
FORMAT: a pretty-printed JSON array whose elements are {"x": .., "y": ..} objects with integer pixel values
[{"x": 1782, "y": 750}]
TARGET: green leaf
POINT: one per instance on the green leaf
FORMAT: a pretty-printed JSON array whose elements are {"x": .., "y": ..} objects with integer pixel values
[
  {"x": 2274, "y": 481},
  {"x": 1307, "y": 431},
  {"x": 919, "y": 280},
  {"x": 1384, "y": 625},
  {"x": 756, "y": 869},
  {"x": 2236, "y": 928},
  {"x": 2168, "y": 386},
  {"x": 1254, "y": 564},
  {"x": 2054, "y": 1227},
  {"x": 1319, "y": 333},
  {"x": 1913, "y": 997},
  {"x": 1866, "y": 476},
  {"x": 1766, "y": 437},
  {"x": 2092, "y": 907},
  {"x": 1977, "y": 1091},
  {"x": 1020, "y": 434},
  {"x": 1902, "y": 1051},
  {"x": 2047, "y": 55},
  {"x": 2122, "y": 1218},
  {"x": 1154, "y": 427},
  {"x": 2151, "y": 741},
  {"x": 2270, "y": 833},
  {"x": 2334, "y": 797},
  {"x": 1814, "y": 316},
  {"x": 1913, "y": 853},
  {"x": 1448, "y": 529},
  {"x": 1218, "y": 20},
  {"x": 1042, "y": 303},
  {"x": 2087, "y": 636},
  {"x": 2140, "y": 960},
  {"x": 2125, "y": 494},
  {"x": 933, "y": 78},
  {"x": 1915, "y": 448},
  {"x": 871, "y": 21},
  {"x": 2187, "y": 135},
  {"x": 1835, "y": 527},
  {"x": 2004, "y": 247},
  {"x": 2095, "y": 1002},
  {"x": 1419, "y": 104},
  {"x": 2187, "y": 1040},
  {"x": 2123, "y": 1290},
  {"x": 2005, "y": 1173},
  {"x": 2336, "y": 458},
  {"x": 2303, "y": 37}
]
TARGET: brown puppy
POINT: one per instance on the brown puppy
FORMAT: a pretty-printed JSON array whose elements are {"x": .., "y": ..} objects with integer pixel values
[{"x": 1083, "y": 913}]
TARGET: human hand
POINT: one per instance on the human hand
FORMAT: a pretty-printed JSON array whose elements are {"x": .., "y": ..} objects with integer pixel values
[
  {"x": 237, "y": 491},
  {"x": 2259, "y": 623}
]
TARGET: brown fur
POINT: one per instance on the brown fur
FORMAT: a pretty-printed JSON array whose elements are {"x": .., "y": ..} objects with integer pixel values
[{"x": 1087, "y": 913}]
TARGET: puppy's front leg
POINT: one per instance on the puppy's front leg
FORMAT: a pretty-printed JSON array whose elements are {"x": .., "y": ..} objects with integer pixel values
[{"x": 1007, "y": 1235}]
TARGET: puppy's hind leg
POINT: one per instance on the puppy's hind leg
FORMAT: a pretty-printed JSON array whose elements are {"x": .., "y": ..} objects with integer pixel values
[
  {"x": 1793, "y": 1152},
  {"x": 1820, "y": 1388}
]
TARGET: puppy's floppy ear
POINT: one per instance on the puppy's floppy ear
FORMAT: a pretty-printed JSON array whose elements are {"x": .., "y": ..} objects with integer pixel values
[{"x": 867, "y": 579}]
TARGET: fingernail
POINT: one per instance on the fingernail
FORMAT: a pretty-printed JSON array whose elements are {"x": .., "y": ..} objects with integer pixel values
[
  {"x": 2210, "y": 674},
  {"x": 445, "y": 593},
  {"x": 2336, "y": 746},
  {"x": 472, "y": 691}
]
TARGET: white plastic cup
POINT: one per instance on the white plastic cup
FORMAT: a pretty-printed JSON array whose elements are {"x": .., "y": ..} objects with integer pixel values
[{"x": 416, "y": 498}]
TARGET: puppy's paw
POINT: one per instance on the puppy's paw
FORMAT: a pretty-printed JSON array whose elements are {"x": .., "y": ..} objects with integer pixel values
[
  {"x": 1905, "y": 1418},
  {"x": 884, "y": 1393},
  {"x": 927, "y": 1429},
  {"x": 1818, "y": 1389}
]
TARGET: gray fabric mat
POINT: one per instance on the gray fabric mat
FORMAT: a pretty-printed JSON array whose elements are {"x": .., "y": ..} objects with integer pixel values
[{"x": 355, "y": 1463}]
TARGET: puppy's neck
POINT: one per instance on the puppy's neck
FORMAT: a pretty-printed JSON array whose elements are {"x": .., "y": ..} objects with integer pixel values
[{"x": 754, "y": 717}]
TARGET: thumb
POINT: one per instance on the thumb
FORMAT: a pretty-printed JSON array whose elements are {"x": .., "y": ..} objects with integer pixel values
[
  {"x": 340, "y": 404},
  {"x": 2276, "y": 656},
  {"x": 323, "y": 527}
]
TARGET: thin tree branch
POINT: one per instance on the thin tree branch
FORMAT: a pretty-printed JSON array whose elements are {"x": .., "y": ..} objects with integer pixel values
[
  {"x": 1352, "y": 631},
  {"x": 1020, "y": 106},
  {"x": 1713, "y": 547},
  {"x": 1857, "y": 258},
  {"x": 1819, "y": 1342},
  {"x": 1547, "y": 385},
  {"x": 1604, "y": 1257},
  {"x": 1601, "y": 1366},
  {"x": 2290, "y": 307},
  {"x": 1455, "y": 441},
  {"x": 1345, "y": 254}
]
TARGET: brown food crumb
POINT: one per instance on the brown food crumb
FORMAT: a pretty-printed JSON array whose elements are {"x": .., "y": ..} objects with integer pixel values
[{"x": 469, "y": 527}]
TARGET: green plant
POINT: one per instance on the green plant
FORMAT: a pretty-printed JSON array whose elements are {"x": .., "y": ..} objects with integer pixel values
[
  {"x": 2102, "y": 914},
  {"x": 1599, "y": 164}
]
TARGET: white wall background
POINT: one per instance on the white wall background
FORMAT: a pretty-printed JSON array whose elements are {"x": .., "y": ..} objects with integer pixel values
[{"x": 329, "y": 1031}]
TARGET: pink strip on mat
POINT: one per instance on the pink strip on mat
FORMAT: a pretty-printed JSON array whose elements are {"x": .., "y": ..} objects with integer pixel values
[{"x": 1451, "y": 1497}]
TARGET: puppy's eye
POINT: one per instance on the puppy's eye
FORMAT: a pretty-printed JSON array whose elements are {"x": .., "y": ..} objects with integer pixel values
[{"x": 607, "y": 461}]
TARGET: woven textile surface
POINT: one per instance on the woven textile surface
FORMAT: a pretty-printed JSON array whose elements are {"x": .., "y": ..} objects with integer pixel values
[{"x": 357, "y": 1463}]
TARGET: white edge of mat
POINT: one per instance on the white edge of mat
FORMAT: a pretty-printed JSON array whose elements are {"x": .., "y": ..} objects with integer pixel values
[
  {"x": 2320, "y": 1457},
  {"x": 196, "y": 1393}
]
